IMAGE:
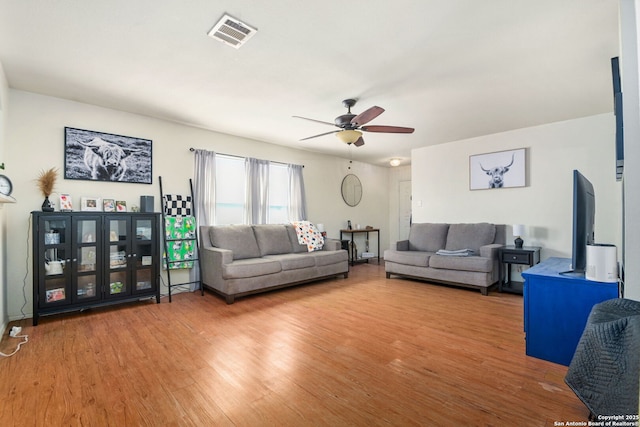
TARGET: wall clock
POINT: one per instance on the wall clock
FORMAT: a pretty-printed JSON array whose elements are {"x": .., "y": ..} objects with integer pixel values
[{"x": 6, "y": 187}]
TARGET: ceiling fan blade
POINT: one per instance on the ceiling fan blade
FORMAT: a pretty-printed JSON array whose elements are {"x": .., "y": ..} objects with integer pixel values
[
  {"x": 387, "y": 129},
  {"x": 359, "y": 142},
  {"x": 367, "y": 115},
  {"x": 314, "y": 120},
  {"x": 322, "y": 134}
]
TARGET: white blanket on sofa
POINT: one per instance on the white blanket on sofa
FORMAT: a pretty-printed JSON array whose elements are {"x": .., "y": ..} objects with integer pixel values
[{"x": 308, "y": 235}]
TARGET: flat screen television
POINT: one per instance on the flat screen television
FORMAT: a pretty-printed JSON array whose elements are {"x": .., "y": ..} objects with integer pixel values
[
  {"x": 584, "y": 213},
  {"x": 617, "y": 110}
]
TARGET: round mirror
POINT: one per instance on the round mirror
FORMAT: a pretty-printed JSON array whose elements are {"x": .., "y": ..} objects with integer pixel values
[{"x": 351, "y": 190}]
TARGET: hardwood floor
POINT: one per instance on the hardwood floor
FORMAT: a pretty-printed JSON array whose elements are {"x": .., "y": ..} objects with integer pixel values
[{"x": 361, "y": 351}]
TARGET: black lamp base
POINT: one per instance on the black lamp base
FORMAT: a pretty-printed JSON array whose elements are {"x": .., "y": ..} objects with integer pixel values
[{"x": 518, "y": 242}]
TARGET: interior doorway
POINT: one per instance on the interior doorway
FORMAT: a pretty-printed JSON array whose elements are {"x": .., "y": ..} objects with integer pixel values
[{"x": 404, "y": 209}]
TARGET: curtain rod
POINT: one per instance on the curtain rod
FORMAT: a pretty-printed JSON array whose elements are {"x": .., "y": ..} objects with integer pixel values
[{"x": 241, "y": 157}]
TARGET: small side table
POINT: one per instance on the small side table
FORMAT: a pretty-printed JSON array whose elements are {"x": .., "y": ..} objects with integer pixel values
[
  {"x": 352, "y": 252},
  {"x": 527, "y": 255}
]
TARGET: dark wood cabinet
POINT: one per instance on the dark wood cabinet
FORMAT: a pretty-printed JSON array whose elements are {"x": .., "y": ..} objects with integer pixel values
[{"x": 88, "y": 259}]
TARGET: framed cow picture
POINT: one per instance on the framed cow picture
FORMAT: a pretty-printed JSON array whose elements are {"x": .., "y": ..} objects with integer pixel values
[
  {"x": 502, "y": 169},
  {"x": 99, "y": 156}
]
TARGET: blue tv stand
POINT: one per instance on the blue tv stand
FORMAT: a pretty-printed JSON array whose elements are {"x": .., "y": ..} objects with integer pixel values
[{"x": 556, "y": 308}]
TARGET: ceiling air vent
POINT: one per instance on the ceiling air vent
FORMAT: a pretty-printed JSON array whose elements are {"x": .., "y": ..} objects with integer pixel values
[{"x": 230, "y": 31}]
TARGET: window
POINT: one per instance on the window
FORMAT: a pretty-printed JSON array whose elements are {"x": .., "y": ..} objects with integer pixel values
[
  {"x": 278, "y": 194},
  {"x": 231, "y": 189}
]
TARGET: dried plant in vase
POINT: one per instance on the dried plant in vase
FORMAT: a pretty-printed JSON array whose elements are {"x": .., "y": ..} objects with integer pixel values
[{"x": 46, "y": 182}]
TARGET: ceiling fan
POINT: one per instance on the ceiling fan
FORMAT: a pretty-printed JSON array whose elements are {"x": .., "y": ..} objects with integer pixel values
[{"x": 351, "y": 125}]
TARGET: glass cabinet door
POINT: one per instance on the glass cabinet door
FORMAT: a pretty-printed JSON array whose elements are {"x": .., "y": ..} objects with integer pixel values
[
  {"x": 142, "y": 256},
  {"x": 87, "y": 259},
  {"x": 118, "y": 243},
  {"x": 54, "y": 268}
]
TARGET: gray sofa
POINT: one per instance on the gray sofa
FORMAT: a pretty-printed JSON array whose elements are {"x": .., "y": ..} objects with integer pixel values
[
  {"x": 416, "y": 257},
  {"x": 238, "y": 260}
]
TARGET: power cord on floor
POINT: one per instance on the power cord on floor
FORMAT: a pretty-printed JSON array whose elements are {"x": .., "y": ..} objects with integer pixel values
[
  {"x": 14, "y": 333},
  {"x": 26, "y": 274}
]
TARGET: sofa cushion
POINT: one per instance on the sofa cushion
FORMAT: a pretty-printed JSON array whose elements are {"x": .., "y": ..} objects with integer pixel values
[
  {"x": 470, "y": 236},
  {"x": 293, "y": 261},
  {"x": 323, "y": 258},
  {"x": 468, "y": 263},
  {"x": 293, "y": 238},
  {"x": 427, "y": 237},
  {"x": 250, "y": 268},
  {"x": 237, "y": 238},
  {"x": 272, "y": 239},
  {"x": 417, "y": 258}
]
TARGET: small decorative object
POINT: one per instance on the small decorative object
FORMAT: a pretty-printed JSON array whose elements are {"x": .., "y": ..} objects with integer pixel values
[
  {"x": 66, "y": 203},
  {"x": 135, "y": 208},
  {"x": 56, "y": 294},
  {"x": 116, "y": 287},
  {"x": 53, "y": 267},
  {"x": 497, "y": 170},
  {"x": 109, "y": 205},
  {"x": 518, "y": 232},
  {"x": 90, "y": 204},
  {"x": 6, "y": 187},
  {"x": 46, "y": 182},
  {"x": 51, "y": 238},
  {"x": 146, "y": 203},
  {"x": 121, "y": 206}
]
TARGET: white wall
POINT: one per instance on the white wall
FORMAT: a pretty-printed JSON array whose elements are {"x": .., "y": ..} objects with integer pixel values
[
  {"x": 441, "y": 182},
  {"x": 35, "y": 141},
  {"x": 4, "y": 110}
]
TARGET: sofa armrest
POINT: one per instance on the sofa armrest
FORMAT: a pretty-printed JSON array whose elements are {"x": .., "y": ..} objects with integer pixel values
[
  {"x": 402, "y": 245},
  {"x": 332, "y": 245},
  {"x": 490, "y": 251},
  {"x": 212, "y": 260}
]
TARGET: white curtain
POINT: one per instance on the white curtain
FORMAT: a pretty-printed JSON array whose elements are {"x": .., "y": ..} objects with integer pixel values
[
  {"x": 257, "y": 194},
  {"x": 297, "y": 196},
  {"x": 204, "y": 175}
]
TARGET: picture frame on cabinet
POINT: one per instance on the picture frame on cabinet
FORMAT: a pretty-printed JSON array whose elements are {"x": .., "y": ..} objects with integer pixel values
[
  {"x": 66, "y": 203},
  {"x": 109, "y": 205},
  {"x": 121, "y": 206},
  {"x": 91, "y": 204}
]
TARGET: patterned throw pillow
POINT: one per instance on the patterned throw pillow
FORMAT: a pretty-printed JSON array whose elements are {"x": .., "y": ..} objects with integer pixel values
[{"x": 308, "y": 235}]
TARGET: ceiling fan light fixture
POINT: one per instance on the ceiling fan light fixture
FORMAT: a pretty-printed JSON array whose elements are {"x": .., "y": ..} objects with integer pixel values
[
  {"x": 349, "y": 136},
  {"x": 395, "y": 162}
]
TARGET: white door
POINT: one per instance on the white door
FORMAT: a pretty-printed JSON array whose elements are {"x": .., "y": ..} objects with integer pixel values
[{"x": 404, "y": 214}]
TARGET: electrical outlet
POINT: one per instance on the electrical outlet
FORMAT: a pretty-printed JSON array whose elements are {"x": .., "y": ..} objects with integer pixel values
[{"x": 15, "y": 331}]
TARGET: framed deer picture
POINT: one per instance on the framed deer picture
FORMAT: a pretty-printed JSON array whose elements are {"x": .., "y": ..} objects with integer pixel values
[
  {"x": 502, "y": 169},
  {"x": 99, "y": 156}
]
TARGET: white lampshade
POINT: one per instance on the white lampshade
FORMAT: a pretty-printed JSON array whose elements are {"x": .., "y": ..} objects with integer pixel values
[
  {"x": 518, "y": 230},
  {"x": 348, "y": 136},
  {"x": 320, "y": 227},
  {"x": 394, "y": 162}
]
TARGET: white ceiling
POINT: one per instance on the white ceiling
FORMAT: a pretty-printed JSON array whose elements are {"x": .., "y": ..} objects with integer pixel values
[{"x": 453, "y": 69}]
